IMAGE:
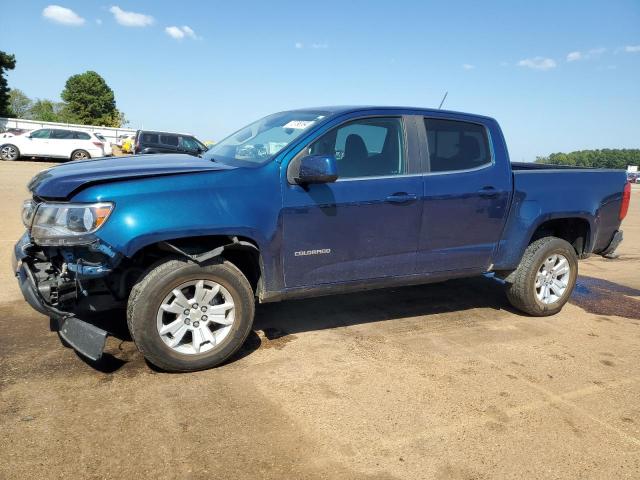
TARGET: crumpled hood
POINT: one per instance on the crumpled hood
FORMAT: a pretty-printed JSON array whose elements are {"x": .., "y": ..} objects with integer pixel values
[{"x": 63, "y": 180}]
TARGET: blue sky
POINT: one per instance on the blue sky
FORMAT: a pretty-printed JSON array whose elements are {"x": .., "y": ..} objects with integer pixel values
[{"x": 558, "y": 75}]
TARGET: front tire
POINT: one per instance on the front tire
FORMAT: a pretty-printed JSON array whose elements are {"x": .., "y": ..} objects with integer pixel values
[
  {"x": 185, "y": 317},
  {"x": 9, "y": 152},
  {"x": 545, "y": 277}
]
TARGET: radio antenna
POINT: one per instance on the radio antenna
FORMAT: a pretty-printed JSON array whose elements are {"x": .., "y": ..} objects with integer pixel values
[{"x": 443, "y": 99}]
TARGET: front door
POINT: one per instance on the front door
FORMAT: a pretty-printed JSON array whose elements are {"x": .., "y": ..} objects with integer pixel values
[
  {"x": 466, "y": 198},
  {"x": 37, "y": 143},
  {"x": 366, "y": 224}
]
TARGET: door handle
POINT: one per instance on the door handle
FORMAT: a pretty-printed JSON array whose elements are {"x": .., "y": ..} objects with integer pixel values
[
  {"x": 488, "y": 192},
  {"x": 401, "y": 197}
]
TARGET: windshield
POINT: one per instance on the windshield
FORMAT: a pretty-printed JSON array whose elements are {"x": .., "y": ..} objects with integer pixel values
[{"x": 260, "y": 141}]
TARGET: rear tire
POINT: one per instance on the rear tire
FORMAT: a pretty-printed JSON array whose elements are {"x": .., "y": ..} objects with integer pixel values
[
  {"x": 9, "y": 152},
  {"x": 80, "y": 155},
  {"x": 176, "y": 336},
  {"x": 535, "y": 277}
]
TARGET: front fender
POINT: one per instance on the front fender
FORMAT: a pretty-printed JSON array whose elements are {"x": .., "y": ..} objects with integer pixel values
[{"x": 240, "y": 202}]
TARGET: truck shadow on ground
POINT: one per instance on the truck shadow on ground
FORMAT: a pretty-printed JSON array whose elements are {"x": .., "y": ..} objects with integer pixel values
[
  {"x": 321, "y": 313},
  {"x": 277, "y": 323}
]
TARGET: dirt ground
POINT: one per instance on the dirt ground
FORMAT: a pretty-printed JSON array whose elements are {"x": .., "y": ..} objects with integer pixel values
[{"x": 440, "y": 381}]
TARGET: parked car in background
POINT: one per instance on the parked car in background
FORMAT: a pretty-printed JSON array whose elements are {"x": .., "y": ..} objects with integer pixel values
[
  {"x": 165, "y": 142},
  {"x": 61, "y": 143},
  {"x": 108, "y": 149},
  {"x": 12, "y": 132}
]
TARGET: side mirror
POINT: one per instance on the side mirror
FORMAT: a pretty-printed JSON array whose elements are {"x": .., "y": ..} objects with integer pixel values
[{"x": 315, "y": 169}]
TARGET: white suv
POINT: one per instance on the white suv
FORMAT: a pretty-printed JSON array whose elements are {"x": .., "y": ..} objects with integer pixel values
[{"x": 53, "y": 143}]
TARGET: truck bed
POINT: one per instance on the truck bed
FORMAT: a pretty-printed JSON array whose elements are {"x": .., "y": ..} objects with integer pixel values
[{"x": 542, "y": 193}]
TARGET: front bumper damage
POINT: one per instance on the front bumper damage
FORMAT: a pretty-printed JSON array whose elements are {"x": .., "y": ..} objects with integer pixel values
[{"x": 55, "y": 294}]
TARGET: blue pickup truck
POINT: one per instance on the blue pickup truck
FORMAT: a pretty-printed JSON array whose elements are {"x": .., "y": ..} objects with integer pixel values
[{"x": 301, "y": 203}]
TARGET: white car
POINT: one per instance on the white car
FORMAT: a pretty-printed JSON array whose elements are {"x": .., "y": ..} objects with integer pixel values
[
  {"x": 53, "y": 143},
  {"x": 12, "y": 132}
]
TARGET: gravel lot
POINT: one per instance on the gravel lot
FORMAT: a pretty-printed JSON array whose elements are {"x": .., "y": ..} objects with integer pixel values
[{"x": 438, "y": 381}]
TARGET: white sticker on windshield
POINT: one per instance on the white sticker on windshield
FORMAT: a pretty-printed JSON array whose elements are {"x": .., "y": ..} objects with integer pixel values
[{"x": 299, "y": 124}]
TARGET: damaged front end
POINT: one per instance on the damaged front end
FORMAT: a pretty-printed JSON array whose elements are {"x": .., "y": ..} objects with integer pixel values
[{"x": 68, "y": 283}]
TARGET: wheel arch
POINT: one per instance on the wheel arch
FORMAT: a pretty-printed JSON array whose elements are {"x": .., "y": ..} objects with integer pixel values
[
  {"x": 576, "y": 230},
  {"x": 241, "y": 251}
]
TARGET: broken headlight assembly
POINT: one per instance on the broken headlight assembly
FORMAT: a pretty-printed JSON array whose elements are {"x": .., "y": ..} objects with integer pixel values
[{"x": 56, "y": 224}]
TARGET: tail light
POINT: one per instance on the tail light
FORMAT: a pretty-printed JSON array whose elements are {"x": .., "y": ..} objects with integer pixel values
[
  {"x": 98, "y": 144},
  {"x": 626, "y": 198}
]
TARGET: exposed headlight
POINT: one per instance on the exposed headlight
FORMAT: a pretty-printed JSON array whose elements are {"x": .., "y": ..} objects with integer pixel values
[
  {"x": 67, "y": 223},
  {"x": 28, "y": 209}
]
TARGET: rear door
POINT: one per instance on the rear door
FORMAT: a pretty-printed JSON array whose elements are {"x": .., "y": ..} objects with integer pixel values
[
  {"x": 61, "y": 142},
  {"x": 366, "y": 224},
  {"x": 466, "y": 196}
]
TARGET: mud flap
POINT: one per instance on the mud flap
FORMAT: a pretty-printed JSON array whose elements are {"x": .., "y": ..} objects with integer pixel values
[
  {"x": 610, "y": 251},
  {"x": 85, "y": 338}
]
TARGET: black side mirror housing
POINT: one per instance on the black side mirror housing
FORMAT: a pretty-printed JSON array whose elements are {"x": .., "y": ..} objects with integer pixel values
[{"x": 313, "y": 169}]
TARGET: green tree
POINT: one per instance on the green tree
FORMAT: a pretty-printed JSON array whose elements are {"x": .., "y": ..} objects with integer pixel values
[
  {"x": 605, "y": 158},
  {"x": 19, "y": 103},
  {"x": 7, "y": 62},
  {"x": 45, "y": 111},
  {"x": 89, "y": 101}
]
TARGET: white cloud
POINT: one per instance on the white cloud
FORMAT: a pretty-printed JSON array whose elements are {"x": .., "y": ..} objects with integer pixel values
[
  {"x": 577, "y": 55},
  {"x": 538, "y": 63},
  {"x": 573, "y": 56},
  {"x": 174, "y": 32},
  {"x": 188, "y": 31},
  {"x": 180, "y": 32},
  {"x": 632, "y": 49},
  {"x": 594, "y": 52},
  {"x": 131, "y": 19},
  {"x": 468, "y": 66},
  {"x": 317, "y": 46},
  {"x": 62, "y": 15}
]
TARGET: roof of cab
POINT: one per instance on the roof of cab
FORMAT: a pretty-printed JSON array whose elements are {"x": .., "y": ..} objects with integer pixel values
[{"x": 342, "y": 109}]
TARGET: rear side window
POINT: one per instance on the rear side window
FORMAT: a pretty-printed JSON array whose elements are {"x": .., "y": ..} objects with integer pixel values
[
  {"x": 171, "y": 140},
  {"x": 150, "y": 138},
  {"x": 62, "y": 134},
  {"x": 455, "y": 145},
  {"x": 82, "y": 136}
]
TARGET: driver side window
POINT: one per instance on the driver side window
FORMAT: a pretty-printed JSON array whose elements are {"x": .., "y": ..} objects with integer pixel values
[
  {"x": 189, "y": 144},
  {"x": 369, "y": 147}
]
